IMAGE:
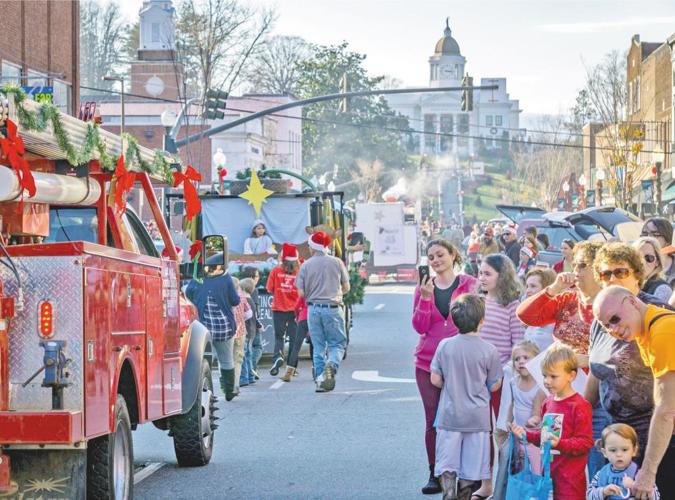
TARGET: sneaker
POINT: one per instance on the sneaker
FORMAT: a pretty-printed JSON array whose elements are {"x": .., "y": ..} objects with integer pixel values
[
  {"x": 319, "y": 388},
  {"x": 255, "y": 374},
  {"x": 275, "y": 367},
  {"x": 328, "y": 382}
]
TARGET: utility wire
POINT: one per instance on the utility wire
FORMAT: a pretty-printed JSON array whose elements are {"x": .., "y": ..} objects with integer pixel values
[{"x": 527, "y": 142}]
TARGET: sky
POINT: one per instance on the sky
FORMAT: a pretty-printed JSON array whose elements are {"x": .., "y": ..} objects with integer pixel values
[{"x": 542, "y": 47}]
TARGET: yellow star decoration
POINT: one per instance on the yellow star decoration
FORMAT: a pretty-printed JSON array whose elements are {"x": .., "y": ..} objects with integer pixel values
[{"x": 256, "y": 194}]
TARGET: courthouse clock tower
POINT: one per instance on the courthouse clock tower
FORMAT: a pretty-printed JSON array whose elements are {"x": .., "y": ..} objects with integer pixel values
[{"x": 446, "y": 66}]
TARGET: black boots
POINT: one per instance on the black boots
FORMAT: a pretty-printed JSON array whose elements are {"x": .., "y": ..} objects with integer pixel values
[
  {"x": 227, "y": 383},
  {"x": 433, "y": 486}
]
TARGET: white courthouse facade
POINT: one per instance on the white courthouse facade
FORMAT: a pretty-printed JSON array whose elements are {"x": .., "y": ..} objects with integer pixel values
[{"x": 448, "y": 130}]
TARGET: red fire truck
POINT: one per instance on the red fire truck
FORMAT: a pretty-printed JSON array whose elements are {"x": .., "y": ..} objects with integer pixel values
[{"x": 95, "y": 334}]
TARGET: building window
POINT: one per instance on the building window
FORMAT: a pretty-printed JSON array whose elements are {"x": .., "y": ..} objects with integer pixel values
[
  {"x": 498, "y": 120},
  {"x": 155, "y": 32},
  {"x": 637, "y": 94},
  {"x": 36, "y": 79},
  {"x": 63, "y": 96},
  {"x": 447, "y": 126},
  {"x": 255, "y": 150},
  {"x": 10, "y": 73},
  {"x": 488, "y": 120},
  {"x": 429, "y": 131},
  {"x": 462, "y": 130}
]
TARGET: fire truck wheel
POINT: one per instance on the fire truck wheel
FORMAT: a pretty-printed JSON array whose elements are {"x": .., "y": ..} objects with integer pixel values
[
  {"x": 110, "y": 460},
  {"x": 193, "y": 431}
]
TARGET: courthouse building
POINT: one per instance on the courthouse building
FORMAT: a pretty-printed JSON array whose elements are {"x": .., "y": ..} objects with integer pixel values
[{"x": 449, "y": 130}]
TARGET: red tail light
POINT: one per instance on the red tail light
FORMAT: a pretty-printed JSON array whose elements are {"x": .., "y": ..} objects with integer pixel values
[{"x": 45, "y": 319}]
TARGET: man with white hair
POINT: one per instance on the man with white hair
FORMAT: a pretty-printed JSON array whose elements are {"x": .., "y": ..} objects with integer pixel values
[
  {"x": 627, "y": 318},
  {"x": 322, "y": 281}
]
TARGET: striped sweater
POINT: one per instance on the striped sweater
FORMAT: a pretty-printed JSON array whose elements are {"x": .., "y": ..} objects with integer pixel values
[{"x": 501, "y": 327}]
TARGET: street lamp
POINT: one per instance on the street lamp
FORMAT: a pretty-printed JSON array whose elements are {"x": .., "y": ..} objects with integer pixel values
[
  {"x": 116, "y": 78},
  {"x": 599, "y": 177},
  {"x": 219, "y": 160},
  {"x": 566, "y": 190},
  {"x": 581, "y": 188}
]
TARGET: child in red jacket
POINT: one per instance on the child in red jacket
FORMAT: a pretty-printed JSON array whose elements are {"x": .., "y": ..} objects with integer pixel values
[{"x": 566, "y": 423}]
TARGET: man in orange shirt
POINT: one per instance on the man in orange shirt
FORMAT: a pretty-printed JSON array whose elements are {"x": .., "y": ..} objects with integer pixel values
[{"x": 627, "y": 318}]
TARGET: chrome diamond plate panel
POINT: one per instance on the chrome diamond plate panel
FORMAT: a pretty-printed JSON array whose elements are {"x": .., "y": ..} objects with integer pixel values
[{"x": 59, "y": 280}]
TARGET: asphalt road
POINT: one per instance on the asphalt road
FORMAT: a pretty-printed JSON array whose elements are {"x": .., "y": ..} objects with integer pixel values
[{"x": 364, "y": 440}]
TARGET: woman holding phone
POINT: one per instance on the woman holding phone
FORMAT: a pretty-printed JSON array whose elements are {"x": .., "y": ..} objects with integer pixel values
[{"x": 431, "y": 320}]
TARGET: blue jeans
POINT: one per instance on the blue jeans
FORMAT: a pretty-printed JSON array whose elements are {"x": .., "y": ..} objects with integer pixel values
[
  {"x": 601, "y": 419},
  {"x": 327, "y": 332},
  {"x": 246, "y": 376},
  {"x": 256, "y": 350}
]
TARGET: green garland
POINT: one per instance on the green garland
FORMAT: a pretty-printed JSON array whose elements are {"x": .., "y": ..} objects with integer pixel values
[
  {"x": 49, "y": 114},
  {"x": 357, "y": 289}
]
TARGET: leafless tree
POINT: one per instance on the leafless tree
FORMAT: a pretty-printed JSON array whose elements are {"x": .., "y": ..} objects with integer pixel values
[
  {"x": 103, "y": 36},
  {"x": 544, "y": 167},
  {"x": 215, "y": 39},
  {"x": 274, "y": 68},
  {"x": 368, "y": 178},
  {"x": 621, "y": 139}
]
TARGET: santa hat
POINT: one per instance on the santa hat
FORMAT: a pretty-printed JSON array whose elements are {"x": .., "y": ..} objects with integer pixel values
[
  {"x": 289, "y": 252},
  {"x": 319, "y": 241}
]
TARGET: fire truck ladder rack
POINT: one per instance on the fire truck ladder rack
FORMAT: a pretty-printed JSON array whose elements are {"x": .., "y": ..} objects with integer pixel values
[{"x": 45, "y": 143}]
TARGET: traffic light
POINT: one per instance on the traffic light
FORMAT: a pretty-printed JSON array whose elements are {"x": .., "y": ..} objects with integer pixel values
[
  {"x": 467, "y": 94},
  {"x": 216, "y": 102}
]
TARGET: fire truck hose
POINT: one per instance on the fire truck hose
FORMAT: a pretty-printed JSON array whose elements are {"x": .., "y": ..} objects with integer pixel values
[{"x": 50, "y": 188}]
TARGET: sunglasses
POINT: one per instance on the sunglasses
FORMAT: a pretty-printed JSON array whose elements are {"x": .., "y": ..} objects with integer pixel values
[
  {"x": 579, "y": 265},
  {"x": 619, "y": 273},
  {"x": 650, "y": 259},
  {"x": 611, "y": 322},
  {"x": 653, "y": 234}
]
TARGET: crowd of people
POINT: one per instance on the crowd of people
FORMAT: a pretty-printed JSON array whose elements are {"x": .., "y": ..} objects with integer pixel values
[
  {"x": 306, "y": 303},
  {"x": 600, "y": 326}
]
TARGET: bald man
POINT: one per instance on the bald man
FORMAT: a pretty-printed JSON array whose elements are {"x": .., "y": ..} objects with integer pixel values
[{"x": 627, "y": 318}]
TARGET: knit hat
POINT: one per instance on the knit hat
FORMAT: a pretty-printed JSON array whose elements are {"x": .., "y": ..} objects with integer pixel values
[
  {"x": 319, "y": 241},
  {"x": 289, "y": 252},
  {"x": 258, "y": 222}
]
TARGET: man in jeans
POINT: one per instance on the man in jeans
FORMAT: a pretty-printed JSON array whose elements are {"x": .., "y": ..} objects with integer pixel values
[{"x": 322, "y": 280}]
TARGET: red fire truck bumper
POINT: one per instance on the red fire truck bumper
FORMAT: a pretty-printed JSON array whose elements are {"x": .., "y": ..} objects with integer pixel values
[{"x": 57, "y": 427}]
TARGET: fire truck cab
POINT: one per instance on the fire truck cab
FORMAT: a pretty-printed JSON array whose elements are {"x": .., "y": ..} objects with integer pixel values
[{"x": 96, "y": 336}]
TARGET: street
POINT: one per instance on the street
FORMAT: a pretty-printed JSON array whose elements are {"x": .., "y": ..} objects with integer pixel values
[{"x": 364, "y": 440}]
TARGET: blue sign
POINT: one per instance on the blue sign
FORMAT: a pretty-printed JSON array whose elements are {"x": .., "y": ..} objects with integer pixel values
[{"x": 40, "y": 93}]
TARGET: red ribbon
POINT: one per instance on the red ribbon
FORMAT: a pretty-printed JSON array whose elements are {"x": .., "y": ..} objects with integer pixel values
[
  {"x": 195, "y": 248},
  {"x": 125, "y": 181},
  {"x": 192, "y": 203},
  {"x": 13, "y": 150}
]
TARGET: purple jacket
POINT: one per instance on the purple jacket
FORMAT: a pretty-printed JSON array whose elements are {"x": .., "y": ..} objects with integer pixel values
[{"x": 432, "y": 326}]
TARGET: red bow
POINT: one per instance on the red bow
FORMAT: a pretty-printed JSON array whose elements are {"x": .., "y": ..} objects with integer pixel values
[
  {"x": 192, "y": 204},
  {"x": 195, "y": 248},
  {"x": 125, "y": 181},
  {"x": 13, "y": 150},
  {"x": 222, "y": 172}
]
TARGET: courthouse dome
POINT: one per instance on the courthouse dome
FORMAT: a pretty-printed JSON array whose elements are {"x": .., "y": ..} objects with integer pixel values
[{"x": 447, "y": 46}]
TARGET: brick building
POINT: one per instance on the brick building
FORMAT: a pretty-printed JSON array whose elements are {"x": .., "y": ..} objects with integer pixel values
[
  {"x": 39, "y": 46},
  {"x": 647, "y": 120}
]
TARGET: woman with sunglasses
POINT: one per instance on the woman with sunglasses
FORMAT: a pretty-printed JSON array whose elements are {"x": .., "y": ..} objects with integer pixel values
[
  {"x": 567, "y": 303},
  {"x": 619, "y": 380},
  {"x": 650, "y": 252},
  {"x": 662, "y": 230}
]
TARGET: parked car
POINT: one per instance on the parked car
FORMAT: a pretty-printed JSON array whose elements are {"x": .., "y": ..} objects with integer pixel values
[{"x": 595, "y": 223}]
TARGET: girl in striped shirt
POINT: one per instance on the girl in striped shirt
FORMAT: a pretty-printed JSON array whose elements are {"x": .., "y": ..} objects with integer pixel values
[{"x": 501, "y": 327}]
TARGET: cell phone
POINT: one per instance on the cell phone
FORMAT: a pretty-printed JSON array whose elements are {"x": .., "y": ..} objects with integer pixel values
[{"x": 423, "y": 272}]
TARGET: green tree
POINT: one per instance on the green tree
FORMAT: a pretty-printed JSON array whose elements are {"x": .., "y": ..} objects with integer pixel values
[{"x": 335, "y": 138}]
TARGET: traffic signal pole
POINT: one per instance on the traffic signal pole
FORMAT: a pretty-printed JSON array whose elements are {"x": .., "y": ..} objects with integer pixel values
[{"x": 329, "y": 97}]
